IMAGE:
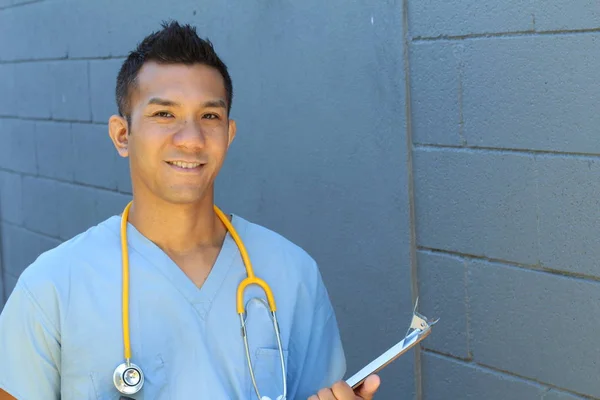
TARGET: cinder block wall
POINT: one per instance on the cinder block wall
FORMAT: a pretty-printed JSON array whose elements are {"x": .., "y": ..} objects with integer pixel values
[
  {"x": 467, "y": 170},
  {"x": 505, "y": 99},
  {"x": 319, "y": 157}
]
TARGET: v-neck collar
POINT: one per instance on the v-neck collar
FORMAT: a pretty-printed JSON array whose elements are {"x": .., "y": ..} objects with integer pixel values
[{"x": 200, "y": 298}]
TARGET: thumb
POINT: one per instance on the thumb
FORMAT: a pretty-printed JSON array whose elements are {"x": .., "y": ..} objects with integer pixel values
[{"x": 367, "y": 390}]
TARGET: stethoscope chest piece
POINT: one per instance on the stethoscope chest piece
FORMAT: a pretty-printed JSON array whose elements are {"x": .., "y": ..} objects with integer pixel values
[{"x": 128, "y": 378}]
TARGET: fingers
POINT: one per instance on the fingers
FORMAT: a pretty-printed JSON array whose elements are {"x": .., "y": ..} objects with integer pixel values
[
  {"x": 369, "y": 387},
  {"x": 323, "y": 394},
  {"x": 342, "y": 391},
  {"x": 339, "y": 391}
]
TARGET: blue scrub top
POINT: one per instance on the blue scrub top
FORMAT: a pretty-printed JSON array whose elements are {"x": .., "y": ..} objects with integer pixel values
[{"x": 61, "y": 328}]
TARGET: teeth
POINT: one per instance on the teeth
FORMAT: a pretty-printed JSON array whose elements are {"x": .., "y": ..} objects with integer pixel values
[{"x": 182, "y": 164}]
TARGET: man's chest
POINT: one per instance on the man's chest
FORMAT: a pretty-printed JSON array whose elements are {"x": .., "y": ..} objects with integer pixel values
[{"x": 183, "y": 348}]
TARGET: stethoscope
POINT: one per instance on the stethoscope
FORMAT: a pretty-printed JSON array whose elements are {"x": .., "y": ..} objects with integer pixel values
[{"x": 129, "y": 378}]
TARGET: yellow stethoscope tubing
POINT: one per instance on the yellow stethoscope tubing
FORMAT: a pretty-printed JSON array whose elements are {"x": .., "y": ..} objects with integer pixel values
[
  {"x": 125, "y": 290},
  {"x": 250, "y": 279}
]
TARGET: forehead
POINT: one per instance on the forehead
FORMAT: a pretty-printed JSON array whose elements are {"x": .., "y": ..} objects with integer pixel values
[{"x": 195, "y": 82}]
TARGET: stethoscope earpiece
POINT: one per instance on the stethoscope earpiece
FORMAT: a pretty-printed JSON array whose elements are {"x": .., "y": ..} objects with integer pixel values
[{"x": 128, "y": 378}]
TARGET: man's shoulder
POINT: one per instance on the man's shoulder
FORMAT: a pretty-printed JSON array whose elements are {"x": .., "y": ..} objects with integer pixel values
[
  {"x": 277, "y": 258},
  {"x": 54, "y": 264},
  {"x": 273, "y": 254},
  {"x": 262, "y": 238}
]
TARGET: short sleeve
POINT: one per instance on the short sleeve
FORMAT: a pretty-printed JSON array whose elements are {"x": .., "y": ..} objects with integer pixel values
[
  {"x": 325, "y": 361},
  {"x": 30, "y": 348}
]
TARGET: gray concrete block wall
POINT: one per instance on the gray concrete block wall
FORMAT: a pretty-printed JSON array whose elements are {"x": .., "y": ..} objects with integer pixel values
[
  {"x": 103, "y": 102},
  {"x": 503, "y": 98},
  {"x": 476, "y": 202},
  {"x": 468, "y": 381},
  {"x": 58, "y": 175},
  {"x": 544, "y": 85},
  {"x": 45, "y": 34},
  {"x": 318, "y": 121},
  {"x": 560, "y": 15},
  {"x": 537, "y": 314},
  {"x": 502, "y": 125}
]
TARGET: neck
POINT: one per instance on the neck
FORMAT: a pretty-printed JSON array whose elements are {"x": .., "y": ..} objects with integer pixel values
[{"x": 178, "y": 229}]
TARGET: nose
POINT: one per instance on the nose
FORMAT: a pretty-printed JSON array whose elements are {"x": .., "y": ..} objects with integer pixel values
[{"x": 191, "y": 136}]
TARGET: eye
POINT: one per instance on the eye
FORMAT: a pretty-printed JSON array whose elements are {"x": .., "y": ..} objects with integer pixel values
[
  {"x": 163, "y": 114},
  {"x": 210, "y": 116}
]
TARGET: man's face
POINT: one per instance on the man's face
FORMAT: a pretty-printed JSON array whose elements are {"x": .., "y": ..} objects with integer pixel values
[{"x": 179, "y": 132}]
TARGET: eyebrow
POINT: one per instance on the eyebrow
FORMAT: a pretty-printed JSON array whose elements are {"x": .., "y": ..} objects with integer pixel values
[
  {"x": 162, "y": 102},
  {"x": 215, "y": 104},
  {"x": 220, "y": 103}
]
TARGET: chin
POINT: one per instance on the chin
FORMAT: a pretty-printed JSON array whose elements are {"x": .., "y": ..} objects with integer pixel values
[{"x": 184, "y": 198}]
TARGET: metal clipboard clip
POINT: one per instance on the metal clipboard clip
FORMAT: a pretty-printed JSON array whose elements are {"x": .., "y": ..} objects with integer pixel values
[
  {"x": 419, "y": 329},
  {"x": 420, "y": 322}
]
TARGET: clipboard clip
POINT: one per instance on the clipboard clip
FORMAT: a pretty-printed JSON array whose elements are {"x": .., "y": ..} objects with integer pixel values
[{"x": 419, "y": 321}]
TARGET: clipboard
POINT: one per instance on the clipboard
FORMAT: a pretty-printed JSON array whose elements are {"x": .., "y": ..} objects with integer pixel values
[{"x": 419, "y": 329}]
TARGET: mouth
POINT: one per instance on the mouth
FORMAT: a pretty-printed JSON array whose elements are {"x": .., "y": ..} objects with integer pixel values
[{"x": 185, "y": 166}]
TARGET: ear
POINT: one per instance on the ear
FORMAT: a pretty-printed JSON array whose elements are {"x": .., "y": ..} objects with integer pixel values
[
  {"x": 118, "y": 131},
  {"x": 232, "y": 131}
]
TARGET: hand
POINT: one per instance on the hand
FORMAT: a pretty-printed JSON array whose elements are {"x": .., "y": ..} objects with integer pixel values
[{"x": 342, "y": 391}]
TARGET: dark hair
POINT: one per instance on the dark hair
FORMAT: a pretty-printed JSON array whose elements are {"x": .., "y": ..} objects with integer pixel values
[{"x": 173, "y": 44}]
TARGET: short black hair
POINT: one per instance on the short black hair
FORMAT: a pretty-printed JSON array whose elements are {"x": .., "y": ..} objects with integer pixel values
[{"x": 173, "y": 44}]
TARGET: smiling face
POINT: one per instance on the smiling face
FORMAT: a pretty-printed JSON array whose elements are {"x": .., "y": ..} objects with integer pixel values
[{"x": 179, "y": 132}]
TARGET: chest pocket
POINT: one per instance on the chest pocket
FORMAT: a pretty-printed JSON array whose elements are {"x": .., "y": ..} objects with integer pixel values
[
  {"x": 267, "y": 372},
  {"x": 266, "y": 360}
]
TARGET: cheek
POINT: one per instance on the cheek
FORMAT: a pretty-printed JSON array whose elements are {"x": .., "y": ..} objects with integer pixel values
[
  {"x": 144, "y": 149},
  {"x": 219, "y": 142},
  {"x": 220, "y": 149}
]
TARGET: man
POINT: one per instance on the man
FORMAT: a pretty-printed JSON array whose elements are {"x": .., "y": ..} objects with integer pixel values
[{"x": 61, "y": 331}]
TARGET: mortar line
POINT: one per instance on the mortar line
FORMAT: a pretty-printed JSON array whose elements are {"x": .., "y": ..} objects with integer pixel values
[
  {"x": 62, "y": 181},
  {"x": 61, "y": 58},
  {"x": 411, "y": 195},
  {"x": 514, "y": 34},
  {"x": 46, "y": 235},
  {"x": 35, "y": 155},
  {"x": 20, "y": 4},
  {"x": 537, "y": 210},
  {"x": 50, "y": 119},
  {"x": 500, "y": 150},
  {"x": 513, "y": 264},
  {"x": 461, "y": 121},
  {"x": 89, "y": 88},
  {"x": 467, "y": 309}
]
